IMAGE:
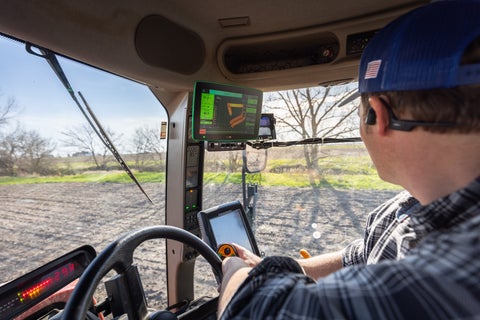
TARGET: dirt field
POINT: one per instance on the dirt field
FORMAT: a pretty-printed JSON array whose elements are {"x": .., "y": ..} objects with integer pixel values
[{"x": 41, "y": 222}]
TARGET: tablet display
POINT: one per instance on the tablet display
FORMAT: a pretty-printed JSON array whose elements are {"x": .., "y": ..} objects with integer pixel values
[{"x": 227, "y": 223}]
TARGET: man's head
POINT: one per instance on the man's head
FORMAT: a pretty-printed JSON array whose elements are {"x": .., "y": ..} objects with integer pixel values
[
  {"x": 426, "y": 68},
  {"x": 420, "y": 84}
]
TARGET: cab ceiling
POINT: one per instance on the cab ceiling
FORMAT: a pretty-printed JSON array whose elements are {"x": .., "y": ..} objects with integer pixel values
[{"x": 170, "y": 44}]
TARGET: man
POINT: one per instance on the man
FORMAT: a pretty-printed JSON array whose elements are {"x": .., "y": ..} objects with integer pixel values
[{"x": 420, "y": 121}]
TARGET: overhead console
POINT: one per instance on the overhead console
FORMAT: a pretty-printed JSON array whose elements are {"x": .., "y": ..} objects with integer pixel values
[
  {"x": 323, "y": 54},
  {"x": 281, "y": 53}
]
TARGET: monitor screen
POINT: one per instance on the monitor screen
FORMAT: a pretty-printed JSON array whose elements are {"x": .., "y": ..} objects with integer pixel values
[
  {"x": 229, "y": 228},
  {"x": 225, "y": 113},
  {"x": 267, "y": 127},
  {"x": 227, "y": 223}
]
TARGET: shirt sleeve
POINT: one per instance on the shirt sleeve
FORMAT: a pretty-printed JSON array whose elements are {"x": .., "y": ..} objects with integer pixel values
[
  {"x": 381, "y": 218},
  {"x": 263, "y": 296},
  {"x": 380, "y": 291},
  {"x": 354, "y": 253}
]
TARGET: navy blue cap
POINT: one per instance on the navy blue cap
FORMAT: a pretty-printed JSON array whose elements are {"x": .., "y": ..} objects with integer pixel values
[{"x": 422, "y": 49}]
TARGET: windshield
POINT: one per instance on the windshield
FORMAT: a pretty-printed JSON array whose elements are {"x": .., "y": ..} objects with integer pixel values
[{"x": 60, "y": 187}]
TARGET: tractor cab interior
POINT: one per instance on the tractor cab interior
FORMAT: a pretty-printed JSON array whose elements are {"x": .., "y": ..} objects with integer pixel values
[{"x": 190, "y": 57}]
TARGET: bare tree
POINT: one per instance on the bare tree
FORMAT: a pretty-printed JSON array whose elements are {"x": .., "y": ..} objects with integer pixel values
[
  {"x": 7, "y": 109},
  {"x": 314, "y": 113},
  {"x": 8, "y": 154},
  {"x": 7, "y": 147},
  {"x": 23, "y": 151},
  {"x": 148, "y": 145},
  {"x": 36, "y": 152},
  {"x": 234, "y": 160},
  {"x": 84, "y": 138}
]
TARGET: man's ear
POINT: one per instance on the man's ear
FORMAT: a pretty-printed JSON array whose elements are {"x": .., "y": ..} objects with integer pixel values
[{"x": 382, "y": 117}]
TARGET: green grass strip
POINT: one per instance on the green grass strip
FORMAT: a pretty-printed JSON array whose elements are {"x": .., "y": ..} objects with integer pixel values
[
  {"x": 117, "y": 177},
  {"x": 302, "y": 180}
]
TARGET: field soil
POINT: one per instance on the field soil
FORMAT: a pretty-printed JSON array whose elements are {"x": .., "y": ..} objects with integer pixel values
[{"x": 43, "y": 221}]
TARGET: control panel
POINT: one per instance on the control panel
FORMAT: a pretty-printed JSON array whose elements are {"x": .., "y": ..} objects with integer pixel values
[
  {"x": 193, "y": 190},
  {"x": 225, "y": 146}
]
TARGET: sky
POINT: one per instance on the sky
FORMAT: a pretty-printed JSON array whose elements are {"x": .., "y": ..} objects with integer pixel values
[{"x": 44, "y": 105}]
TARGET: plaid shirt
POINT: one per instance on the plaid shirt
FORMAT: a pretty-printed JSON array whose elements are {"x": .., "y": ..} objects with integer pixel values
[{"x": 419, "y": 262}]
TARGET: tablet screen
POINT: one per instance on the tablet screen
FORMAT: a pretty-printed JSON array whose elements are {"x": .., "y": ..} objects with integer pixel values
[
  {"x": 226, "y": 224},
  {"x": 229, "y": 228}
]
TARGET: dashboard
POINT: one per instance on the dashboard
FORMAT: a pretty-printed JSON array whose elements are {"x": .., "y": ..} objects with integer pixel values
[{"x": 18, "y": 297}]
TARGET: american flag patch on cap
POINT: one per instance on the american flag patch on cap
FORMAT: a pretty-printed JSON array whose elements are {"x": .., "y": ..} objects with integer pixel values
[{"x": 372, "y": 69}]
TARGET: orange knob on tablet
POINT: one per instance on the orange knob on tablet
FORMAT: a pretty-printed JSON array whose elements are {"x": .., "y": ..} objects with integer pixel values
[{"x": 226, "y": 250}]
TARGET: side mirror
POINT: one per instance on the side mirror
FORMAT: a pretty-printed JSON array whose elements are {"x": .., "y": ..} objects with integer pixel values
[{"x": 254, "y": 160}]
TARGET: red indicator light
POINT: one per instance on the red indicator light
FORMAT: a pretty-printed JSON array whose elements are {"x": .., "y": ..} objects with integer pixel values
[
  {"x": 35, "y": 291},
  {"x": 55, "y": 276}
]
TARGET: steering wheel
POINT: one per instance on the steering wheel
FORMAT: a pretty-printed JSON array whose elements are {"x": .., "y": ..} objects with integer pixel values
[{"x": 119, "y": 256}]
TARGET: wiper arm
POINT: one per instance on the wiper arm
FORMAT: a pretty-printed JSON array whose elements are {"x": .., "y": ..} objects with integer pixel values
[{"x": 90, "y": 117}]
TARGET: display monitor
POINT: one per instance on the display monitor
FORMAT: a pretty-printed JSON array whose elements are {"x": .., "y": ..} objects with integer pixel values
[
  {"x": 227, "y": 223},
  {"x": 267, "y": 127},
  {"x": 225, "y": 113}
]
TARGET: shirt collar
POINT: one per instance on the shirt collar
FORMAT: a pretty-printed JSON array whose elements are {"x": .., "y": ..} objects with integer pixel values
[{"x": 447, "y": 211}]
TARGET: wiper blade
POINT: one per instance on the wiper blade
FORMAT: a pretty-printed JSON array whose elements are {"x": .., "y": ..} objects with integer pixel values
[
  {"x": 90, "y": 117},
  {"x": 109, "y": 144}
]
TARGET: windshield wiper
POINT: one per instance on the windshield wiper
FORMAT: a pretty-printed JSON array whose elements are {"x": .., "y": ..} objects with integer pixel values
[{"x": 90, "y": 117}]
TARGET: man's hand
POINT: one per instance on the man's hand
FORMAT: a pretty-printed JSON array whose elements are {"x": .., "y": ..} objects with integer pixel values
[{"x": 248, "y": 257}]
